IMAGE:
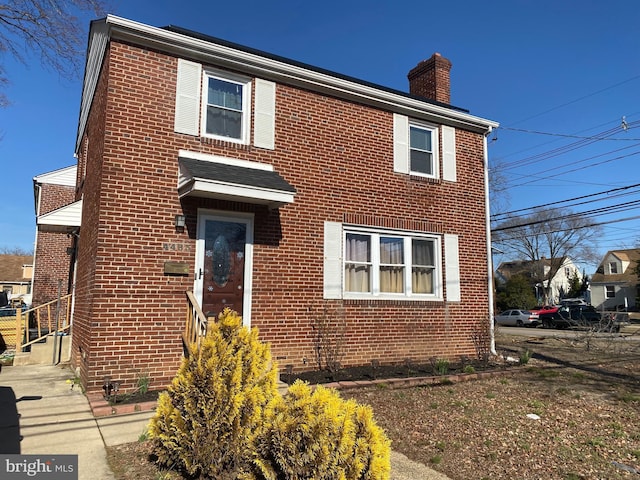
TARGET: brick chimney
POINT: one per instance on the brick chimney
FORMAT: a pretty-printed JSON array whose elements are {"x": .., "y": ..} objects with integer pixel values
[{"x": 430, "y": 79}]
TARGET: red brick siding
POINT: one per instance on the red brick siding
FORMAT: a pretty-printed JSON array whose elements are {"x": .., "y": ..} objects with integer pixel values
[
  {"x": 338, "y": 155},
  {"x": 51, "y": 268},
  {"x": 51, "y": 258},
  {"x": 53, "y": 197},
  {"x": 84, "y": 356}
]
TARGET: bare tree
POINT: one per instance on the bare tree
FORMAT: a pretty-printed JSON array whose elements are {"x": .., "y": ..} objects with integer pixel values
[
  {"x": 498, "y": 189},
  {"x": 52, "y": 29},
  {"x": 15, "y": 251},
  {"x": 546, "y": 238}
]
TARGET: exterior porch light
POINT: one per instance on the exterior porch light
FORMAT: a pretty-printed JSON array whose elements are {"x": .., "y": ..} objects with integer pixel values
[{"x": 180, "y": 221}]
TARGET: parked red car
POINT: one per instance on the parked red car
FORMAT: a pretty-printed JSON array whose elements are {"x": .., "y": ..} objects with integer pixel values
[{"x": 540, "y": 309}]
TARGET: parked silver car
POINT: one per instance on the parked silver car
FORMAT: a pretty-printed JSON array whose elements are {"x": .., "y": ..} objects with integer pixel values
[{"x": 517, "y": 318}]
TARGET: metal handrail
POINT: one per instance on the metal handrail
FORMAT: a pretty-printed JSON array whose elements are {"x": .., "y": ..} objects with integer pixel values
[{"x": 196, "y": 322}]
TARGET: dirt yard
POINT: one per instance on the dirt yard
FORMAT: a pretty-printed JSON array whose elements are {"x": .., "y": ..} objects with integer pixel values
[{"x": 572, "y": 412}]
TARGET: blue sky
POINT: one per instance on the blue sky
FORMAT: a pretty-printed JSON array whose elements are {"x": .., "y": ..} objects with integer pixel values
[{"x": 554, "y": 67}]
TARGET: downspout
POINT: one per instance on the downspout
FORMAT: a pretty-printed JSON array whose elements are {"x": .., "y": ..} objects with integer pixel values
[
  {"x": 38, "y": 198},
  {"x": 492, "y": 345}
]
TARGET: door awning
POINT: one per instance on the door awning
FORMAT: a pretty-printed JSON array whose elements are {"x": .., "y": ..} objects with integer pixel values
[
  {"x": 238, "y": 180},
  {"x": 63, "y": 219}
]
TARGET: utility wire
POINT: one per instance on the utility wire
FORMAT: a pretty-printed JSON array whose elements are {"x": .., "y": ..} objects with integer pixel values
[
  {"x": 568, "y": 200},
  {"x": 578, "y": 99},
  {"x": 596, "y": 211},
  {"x": 536, "y": 178},
  {"x": 565, "y": 135},
  {"x": 561, "y": 150},
  {"x": 597, "y": 224}
]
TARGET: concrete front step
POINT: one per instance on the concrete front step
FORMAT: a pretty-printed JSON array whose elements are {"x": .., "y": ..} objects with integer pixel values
[{"x": 42, "y": 353}]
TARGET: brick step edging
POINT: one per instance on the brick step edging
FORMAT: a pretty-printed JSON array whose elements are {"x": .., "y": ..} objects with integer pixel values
[{"x": 101, "y": 408}]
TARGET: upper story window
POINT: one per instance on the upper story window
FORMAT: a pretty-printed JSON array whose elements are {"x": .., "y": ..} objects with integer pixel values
[
  {"x": 421, "y": 154},
  {"x": 218, "y": 104},
  {"x": 610, "y": 291},
  {"x": 613, "y": 267},
  {"x": 424, "y": 150},
  {"x": 225, "y": 110}
]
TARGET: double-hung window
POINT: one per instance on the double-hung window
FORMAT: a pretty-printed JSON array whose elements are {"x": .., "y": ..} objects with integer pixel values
[
  {"x": 421, "y": 153},
  {"x": 225, "y": 107},
  {"x": 424, "y": 150},
  {"x": 218, "y": 104},
  {"x": 610, "y": 291},
  {"x": 380, "y": 264}
]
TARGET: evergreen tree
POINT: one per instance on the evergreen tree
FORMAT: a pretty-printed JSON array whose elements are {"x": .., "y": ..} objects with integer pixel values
[{"x": 517, "y": 292}]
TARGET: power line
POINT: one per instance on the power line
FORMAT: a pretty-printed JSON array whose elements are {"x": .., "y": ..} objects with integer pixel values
[
  {"x": 568, "y": 200},
  {"x": 535, "y": 178},
  {"x": 577, "y": 99},
  {"x": 618, "y": 220},
  {"x": 565, "y": 135},
  {"x": 561, "y": 150},
  {"x": 621, "y": 207}
]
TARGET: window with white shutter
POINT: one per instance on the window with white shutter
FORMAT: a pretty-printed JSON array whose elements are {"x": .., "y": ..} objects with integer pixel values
[
  {"x": 368, "y": 263},
  {"x": 217, "y": 104}
]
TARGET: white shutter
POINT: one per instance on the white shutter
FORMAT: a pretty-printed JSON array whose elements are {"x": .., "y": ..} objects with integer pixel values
[
  {"x": 449, "y": 153},
  {"x": 400, "y": 143},
  {"x": 265, "y": 124},
  {"x": 332, "y": 260},
  {"x": 187, "y": 117},
  {"x": 452, "y": 267}
]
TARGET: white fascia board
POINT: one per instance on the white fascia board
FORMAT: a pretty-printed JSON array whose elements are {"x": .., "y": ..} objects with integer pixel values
[
  {"x": 234, "y": 192},
  {"x": 268, "y": 68}
]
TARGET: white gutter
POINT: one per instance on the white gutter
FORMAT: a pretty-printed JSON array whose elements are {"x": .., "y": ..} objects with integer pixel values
[{"x": 489, "y": 252}]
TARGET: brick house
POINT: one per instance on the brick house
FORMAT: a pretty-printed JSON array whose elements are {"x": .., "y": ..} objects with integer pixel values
[
  {"x": 57, "y": 220},
  {"x": 307, "y": 197}
]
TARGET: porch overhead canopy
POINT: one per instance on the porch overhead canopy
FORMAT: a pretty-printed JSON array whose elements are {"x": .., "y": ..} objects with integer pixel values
[
  {"x": 248, "y": 182},
  {"x": 64, "y": 219}
]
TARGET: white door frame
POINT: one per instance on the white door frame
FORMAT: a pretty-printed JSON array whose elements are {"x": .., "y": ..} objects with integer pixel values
[{"x": 225, "y": 216}]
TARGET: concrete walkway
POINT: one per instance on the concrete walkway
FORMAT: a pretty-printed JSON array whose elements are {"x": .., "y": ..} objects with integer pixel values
[{"x": 55, "y": 419}]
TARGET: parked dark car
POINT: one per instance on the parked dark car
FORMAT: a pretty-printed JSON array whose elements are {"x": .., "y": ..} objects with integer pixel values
[{"x": 578, "y": 316}]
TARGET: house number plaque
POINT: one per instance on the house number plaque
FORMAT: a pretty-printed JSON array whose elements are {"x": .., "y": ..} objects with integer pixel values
[{"x": 176, "y": 268}]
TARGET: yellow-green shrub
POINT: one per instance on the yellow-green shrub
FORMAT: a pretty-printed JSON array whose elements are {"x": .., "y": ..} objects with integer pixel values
[
  {"x": 207, "y": 422},
  {"x": 318, "y": 435}
]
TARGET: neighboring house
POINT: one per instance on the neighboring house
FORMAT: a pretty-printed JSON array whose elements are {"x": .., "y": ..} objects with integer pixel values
[
  {"x": 57, "y": 220},
  {"x": 302, "y": 198},
  {"x": 16, "y": 272},
  {"x": 535, "y": 271},
  {"x": 615, "y": 284}
]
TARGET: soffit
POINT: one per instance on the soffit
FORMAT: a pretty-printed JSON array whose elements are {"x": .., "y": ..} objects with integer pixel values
[{"x": 64, "y": 219}]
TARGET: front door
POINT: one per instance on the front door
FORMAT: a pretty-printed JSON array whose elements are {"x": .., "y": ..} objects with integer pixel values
[{"x": 221, "y": 272}]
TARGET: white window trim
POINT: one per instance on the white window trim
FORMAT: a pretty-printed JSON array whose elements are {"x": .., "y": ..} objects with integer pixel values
[
  {"x": 246, "y": 104},
  {"x": 248, "y": 220},
  {"x": 375, "y": 258},
  {"x": 435, "y": 158},
  {"x": 441, "y": 134},
  {"x": 606, "y": 291}
]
